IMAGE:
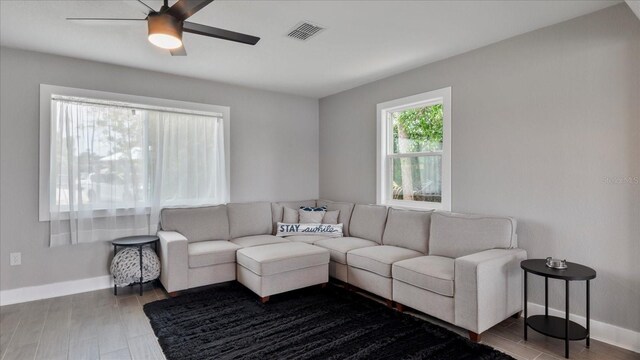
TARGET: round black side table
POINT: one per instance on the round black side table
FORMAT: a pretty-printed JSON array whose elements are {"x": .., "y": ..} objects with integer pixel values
[
  {"x": 554, "y": 326},
  {"x": 138, "y": 241}
]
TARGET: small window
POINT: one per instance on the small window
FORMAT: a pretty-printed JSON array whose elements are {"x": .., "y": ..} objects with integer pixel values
[{"x": 414, "y": 166}]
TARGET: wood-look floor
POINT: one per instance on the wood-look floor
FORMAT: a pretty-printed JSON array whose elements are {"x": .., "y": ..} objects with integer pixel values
[
  {"x": 99, "y": 325},
  {"x": 92, "y": 325}
]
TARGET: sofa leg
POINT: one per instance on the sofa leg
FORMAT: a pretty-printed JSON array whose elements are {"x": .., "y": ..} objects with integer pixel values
[
  {"x": 323, "y": 285},
  {"x": 389, "y": 303},
  {"x": 173, "y": 294},
  {"x": 264, "y": 299},
  {"x": 517, "y": 315},
  {"x": 474, "y": 337},
  {"x": 399, "y": 307}
]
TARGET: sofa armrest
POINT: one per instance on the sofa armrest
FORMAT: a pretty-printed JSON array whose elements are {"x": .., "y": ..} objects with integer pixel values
[
  {"x": 488, "y": 288},
  {"x": 174, "y": 259}
]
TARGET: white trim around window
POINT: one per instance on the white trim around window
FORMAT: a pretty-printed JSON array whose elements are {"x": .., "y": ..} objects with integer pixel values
[
  {"x": 384, "y": 154},
  {"x": 49, "y": 91}
]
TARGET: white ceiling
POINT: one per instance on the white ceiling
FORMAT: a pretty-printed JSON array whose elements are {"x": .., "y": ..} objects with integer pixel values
[{"x": 364, "y": 40}]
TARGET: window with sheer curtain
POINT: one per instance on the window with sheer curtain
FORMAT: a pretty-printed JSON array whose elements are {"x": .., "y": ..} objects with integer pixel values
[{"x": 114, "y": 166}]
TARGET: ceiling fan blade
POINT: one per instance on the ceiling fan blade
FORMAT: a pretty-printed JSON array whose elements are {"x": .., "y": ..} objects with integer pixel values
[
  {"x": 183, "y": 9},
  {"x": 179, "y": 51},
  {"x": 143, "y": 3},
  {"x": 139, "y": 6},
  {"x": 104, "y": 19},
  {"x": 219, "y": 33}
]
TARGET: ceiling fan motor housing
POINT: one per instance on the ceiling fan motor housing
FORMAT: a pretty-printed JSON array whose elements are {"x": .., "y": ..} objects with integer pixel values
[{"x": 164, "y": 24}]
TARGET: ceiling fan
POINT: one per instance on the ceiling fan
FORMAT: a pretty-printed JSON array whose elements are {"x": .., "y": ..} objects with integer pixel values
[{"x": 167, "y": 25}]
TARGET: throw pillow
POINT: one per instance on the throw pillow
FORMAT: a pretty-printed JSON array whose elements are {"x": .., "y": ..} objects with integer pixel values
[
  {"x": 331, "y": 217},
  {"x": 311, "y": 217},
  {"x": 309, "y": 208},
  {"x": 290, "y": 216},
  {"x": 327, "y": 230}
]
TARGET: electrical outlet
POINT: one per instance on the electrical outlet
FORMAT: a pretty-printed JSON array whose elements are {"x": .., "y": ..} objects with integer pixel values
[{"x": 16, "y": 259}]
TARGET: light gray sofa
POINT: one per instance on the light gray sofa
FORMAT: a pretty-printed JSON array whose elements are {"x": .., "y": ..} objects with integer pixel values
[
  {"x": 463, "y": 269},
  {"x": 471, "y": 276}
]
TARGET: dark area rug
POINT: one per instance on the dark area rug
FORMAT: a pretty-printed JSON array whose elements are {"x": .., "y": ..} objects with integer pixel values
[{"x": 228, "y": 322}]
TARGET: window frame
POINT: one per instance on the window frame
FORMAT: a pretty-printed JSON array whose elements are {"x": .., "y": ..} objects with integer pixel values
[
  {"x": 46, "y": 111},
  {"x": 385, "y": 154}
]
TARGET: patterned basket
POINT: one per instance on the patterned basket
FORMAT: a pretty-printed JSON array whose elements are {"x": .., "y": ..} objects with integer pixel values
[{"x": 125, "y": 266}]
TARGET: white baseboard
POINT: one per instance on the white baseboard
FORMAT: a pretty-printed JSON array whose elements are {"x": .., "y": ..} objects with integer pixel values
[
  {"x": 610, "y": 334},
  {"x": 31, "y": 293}
]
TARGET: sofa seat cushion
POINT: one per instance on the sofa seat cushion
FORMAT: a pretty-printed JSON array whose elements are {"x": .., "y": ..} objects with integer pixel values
[
  {"x": 279, "y": 258},
  {"x": 379, "y": 259},
  {"x": 257, "y": 240},
  {"x": 309, "y": 239},
  {"x": 339, "y": 247},
  {"x": 432, "y": 273},
  {"x": 207, "y": 253}
]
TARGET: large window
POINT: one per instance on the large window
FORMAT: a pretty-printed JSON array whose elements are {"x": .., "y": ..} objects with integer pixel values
[
  {"x": 414, "y": 161},
  {"x": 113, "y": 161}
]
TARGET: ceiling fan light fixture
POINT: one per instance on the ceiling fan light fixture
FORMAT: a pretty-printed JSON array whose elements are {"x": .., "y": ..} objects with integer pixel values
[
  {"x": 165, "y": 31},
  {"x": 165, "y": 41}
]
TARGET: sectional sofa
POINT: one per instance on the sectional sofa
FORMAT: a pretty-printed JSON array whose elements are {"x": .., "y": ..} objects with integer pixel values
[{"x": 463, "y": 269}]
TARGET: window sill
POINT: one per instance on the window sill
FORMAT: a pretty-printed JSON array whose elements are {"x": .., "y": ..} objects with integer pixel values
[
  {"x": 142, "y": 210},
  {"x": 415, "y": 205},
  {"x": 101, "y": 213}
]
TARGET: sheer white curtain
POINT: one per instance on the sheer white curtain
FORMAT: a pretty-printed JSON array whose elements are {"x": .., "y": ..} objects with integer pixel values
[
  {"x": 113, "y": 168},
  {"x": 189, "y": 161}
]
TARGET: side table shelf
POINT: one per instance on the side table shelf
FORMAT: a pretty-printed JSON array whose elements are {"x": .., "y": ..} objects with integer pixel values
[{"x": 554, "y": 326}]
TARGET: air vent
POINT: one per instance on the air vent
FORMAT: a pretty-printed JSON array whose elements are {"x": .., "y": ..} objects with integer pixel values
[{"x": 304, "y": 30}]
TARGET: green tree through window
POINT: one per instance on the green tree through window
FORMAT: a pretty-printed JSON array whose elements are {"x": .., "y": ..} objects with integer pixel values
[{"x": 420, "y": 131}]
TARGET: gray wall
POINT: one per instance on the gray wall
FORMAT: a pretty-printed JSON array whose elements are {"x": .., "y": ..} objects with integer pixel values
[
  {"x": 274, "y": 152},
  {"x": 539, "y": 122}
]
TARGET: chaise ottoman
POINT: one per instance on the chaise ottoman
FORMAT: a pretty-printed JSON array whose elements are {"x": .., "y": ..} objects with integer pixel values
[{"x": 276, "y": 268}]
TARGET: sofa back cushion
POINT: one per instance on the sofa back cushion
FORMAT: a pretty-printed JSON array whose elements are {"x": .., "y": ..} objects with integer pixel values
[
  {"x": 248, "y": 219},
  {"x": 456, "y": 235},
  {"x": 289, "y": 215},
  {"x": 197, "y": 223},
  {"x": 331, "y": 217},
  {"x": 408, "y": 229},
  {"x": 277, "y": 209},
  {"x": 344, "y": 217},
  {"x": 368, "y": 221}
]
